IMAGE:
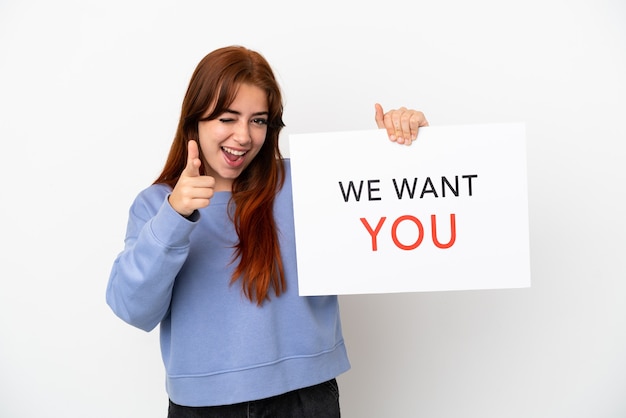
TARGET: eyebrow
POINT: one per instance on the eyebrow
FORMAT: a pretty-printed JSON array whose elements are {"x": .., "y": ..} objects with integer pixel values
[{"x": 235, "y": 112}]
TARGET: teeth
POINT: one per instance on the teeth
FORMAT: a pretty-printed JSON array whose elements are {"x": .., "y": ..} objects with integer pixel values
[{"x": 234, "y": 152}]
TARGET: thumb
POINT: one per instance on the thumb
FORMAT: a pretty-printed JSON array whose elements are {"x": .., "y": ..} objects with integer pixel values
[
  {"x": 379, "y": 116},
  {"x": 192, "y": 169}
]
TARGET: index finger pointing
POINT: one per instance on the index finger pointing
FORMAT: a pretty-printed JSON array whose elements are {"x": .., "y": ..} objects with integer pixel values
[{"x": 193, "y": 159}]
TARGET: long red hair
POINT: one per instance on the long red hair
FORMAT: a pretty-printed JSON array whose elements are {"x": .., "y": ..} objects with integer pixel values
[{"x": 214, "y": 85}]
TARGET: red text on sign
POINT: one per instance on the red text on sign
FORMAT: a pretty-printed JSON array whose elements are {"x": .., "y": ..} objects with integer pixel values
[{"x": 374, "y": 232}]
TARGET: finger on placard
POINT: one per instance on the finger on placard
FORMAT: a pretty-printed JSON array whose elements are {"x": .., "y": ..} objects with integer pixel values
[
  {"x": 384, "y": 122},
  {"x": 396, "y": 125},
  {"x": 405, "y": 126},
  {"x": 193, "y": 159},
  {"x": 392, "y": 125},
  {"x": 417, "y": 121},
  {"x": 379, "y": 116},
  {"x": 413, "y": 127}
]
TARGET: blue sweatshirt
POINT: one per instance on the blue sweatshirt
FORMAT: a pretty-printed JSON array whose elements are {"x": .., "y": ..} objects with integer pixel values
[{"x": 218, "y": 347}]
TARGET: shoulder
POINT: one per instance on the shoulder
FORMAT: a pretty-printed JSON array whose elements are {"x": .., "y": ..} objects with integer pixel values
[
  {"x": 284, "y": 196},
  {"x": 151, "y": 198},
  {"x": 287, "y": 165},
  {"x": 155, "y": 191}
]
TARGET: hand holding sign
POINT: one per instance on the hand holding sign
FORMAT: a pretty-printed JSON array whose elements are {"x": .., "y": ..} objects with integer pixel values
[
  {"x": 401, "y": 124},
  {"x": 192, "y": 191}
]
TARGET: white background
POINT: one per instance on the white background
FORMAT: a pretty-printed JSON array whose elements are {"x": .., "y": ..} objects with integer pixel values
[{"x": 89, "y": 100}]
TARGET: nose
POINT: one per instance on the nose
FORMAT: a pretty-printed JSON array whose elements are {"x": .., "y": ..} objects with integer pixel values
[{"x": 241, "y": 134}]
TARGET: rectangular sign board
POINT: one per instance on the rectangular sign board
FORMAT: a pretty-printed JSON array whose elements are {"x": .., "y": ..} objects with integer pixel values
[{"x": 449, "y": 212}]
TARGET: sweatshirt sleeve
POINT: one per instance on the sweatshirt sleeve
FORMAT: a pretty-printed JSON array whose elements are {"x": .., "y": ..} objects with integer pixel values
[{"x": 155, "y": 248}]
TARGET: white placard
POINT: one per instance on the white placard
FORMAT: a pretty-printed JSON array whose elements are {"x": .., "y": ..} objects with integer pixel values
[{"x": 450, "y": 212}]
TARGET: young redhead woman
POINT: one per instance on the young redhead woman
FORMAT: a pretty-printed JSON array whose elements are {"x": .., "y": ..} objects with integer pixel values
[{"x": 209, "y": 256}]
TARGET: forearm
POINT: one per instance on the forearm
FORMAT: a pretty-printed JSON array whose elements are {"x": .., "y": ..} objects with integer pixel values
[{"x": 141, "y": 281}]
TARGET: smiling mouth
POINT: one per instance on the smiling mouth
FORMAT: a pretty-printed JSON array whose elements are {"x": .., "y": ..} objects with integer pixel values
[{"x": 232, "y": 154}]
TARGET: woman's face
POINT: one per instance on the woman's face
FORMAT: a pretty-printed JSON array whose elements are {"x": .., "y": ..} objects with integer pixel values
[{"x": 231, "y": 141}]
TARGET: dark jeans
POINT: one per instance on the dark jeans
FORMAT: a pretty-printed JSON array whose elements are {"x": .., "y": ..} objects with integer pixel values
[{"x": 319, "y": 401}]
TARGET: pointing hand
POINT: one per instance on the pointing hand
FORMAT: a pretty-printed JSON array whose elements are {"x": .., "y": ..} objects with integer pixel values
[{"x": 192, "y": 191}]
